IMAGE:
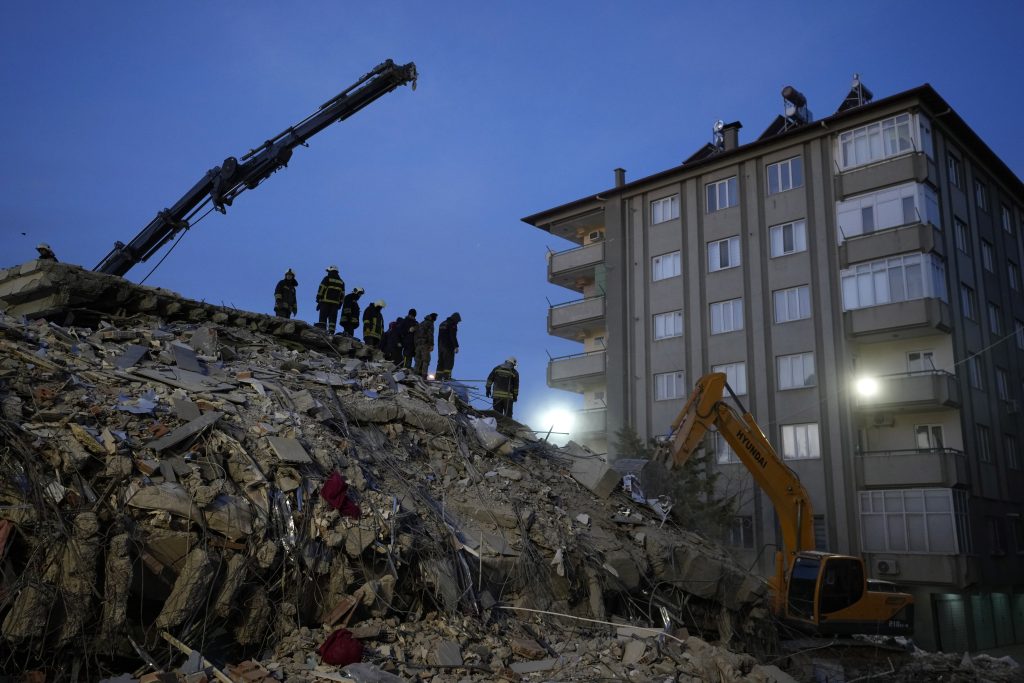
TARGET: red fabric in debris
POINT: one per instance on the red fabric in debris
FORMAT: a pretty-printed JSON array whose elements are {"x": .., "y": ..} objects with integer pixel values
[
  {"x": 335, "y": 492},
  {"x": 341, "y": 648}
]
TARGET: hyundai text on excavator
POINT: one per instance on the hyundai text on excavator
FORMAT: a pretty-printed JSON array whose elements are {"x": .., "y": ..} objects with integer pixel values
[
  {"x": 223, "y": 183},
  {"x": 814, "y": 591}
]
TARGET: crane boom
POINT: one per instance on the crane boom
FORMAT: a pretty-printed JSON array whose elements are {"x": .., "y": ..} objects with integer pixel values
[{"x": 222, "y": 184}]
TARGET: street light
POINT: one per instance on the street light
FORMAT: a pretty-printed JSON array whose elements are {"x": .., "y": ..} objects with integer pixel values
[{"x": 866, "y": 386}]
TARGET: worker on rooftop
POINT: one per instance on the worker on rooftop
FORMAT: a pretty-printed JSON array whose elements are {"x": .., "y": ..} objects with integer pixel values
[
  {"x": 406, "y": 333},
  {"x": 285, "y": 303},
  {"x": 328, "y": 299},
  {"x": 447, "y": 346},
  {"x": 373, "y": 324},
  {"x": 46, "y": 253},
  {"x": 424, "y": 342},
  {"x": 505, "y": 379},
  {"x": 350, "y": 312}
]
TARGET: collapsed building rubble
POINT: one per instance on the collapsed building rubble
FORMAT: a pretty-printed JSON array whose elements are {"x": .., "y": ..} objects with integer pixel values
[{"x": 184, "y": 485}]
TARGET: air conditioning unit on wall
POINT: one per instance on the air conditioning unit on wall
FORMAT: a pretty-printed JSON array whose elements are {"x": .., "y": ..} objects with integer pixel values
[
  {"x": 888, "y": 567},
  {"x": 883, "y": 420},
  {"x": 596, "y": 236}
]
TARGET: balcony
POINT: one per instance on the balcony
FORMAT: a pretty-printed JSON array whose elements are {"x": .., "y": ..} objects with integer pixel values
[
  {"x": 590, "y": 422},
  {"x": 901, "y": 320},
  {"x": 916, "y": 237},
  {"x": 957, "y": 571},
  {"x": 913, "y": 468},
  {"x": 913, "y": 391},
  {"x": 575, "y": 319},
  {"x": 902, "y": 169},
  {"x": 578, "y": 372},
  {"x": 570, "y": 267}
]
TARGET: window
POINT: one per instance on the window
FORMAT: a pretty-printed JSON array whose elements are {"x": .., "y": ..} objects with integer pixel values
[
  {"x": 900, "y": 278},
  {"x": 995, "y": 318},
  {"x": 727, "y": 316},
  {"x": 668, "y": 385},
  {"x": 889, "y": 208},
  {"x": 1006, "y": 219},
  {"x": 875, "y": 142},
  {"x": 820, "y": 533},
  {"x": 960, "y": 234},
  {"x": 785, "y": 175},
  {"x": 914, "y": 521},
  {"x": 788, "y": 238},
  {"x": 664, "y": 209},
  {"x": 1018, "y": 329},
  {"x": 723, "y": 194},
  {"x": 665, "y": 266},
  {"x": 1012, "y": 458},
  {"x": 981, "y": 195},
  {"x": 954, "y": 169},
  {"x": 735, "y": 375},
  {"x": 796, "y": 371},
  {"x": 968, "y": 302},
  {"x": 984, "y": 443},
  {"x": 723, "y": 254},
  {"x": 800, "y": 441},
  {"x": 1003, "y": 384},
  {"x": 1013, "y": 275},
  {"x": 920, "y": 361},
  {"x": 986, "y": 256},
  {"x": 792, "y": 304},
  {"x": 929, "y": 437},
  {"x": 668, "y": 324},
  {"x": 974, "y": 372},
  {"x": 997, "y": 535},
  {"x": 741, "y": 533},
  {"x": 724, "y": 454}
]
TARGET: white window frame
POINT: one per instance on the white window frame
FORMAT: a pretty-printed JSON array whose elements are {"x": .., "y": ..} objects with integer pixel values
[
  {"x": 797, "y": 237},
  {"x": 1003, "y": 384},
  {"x": 724, "y": 454},
  {"x": 917, "y": 276},
  {"x": 721, "y": 194},
  {"x": 904, "y": 521},
  {"x": 668, "y": 325},
  {"x": 665, "y": 266},
  {"x": 1012, "y": 456},
  {"x": 974, "y": 372},
  {"x": 888, "y": 208},
  {"x": 800, "y": 441},
  {"x": 955, "y": 170},
  {"x": 726, "y": 316},
  {"x": 981, "y": 195},
  {"x": 793, "y": 303},
  {"x": 995, "y": 318},
  {"x": 787, "y": 174},
  {"x": 741, "y": 532},
  {"x": 960, "y": 234},
  {"x": 1006, "y": 218},
  {"x": 984, "y": 437},
  {"x": 730, "y": 248},
  {"x": 987, "y": 259},
  {"x": 933, "y": 437},
  {"x": 735, "y": 375},
  {"x": 924, "y": 363},
  {"x": 664, "y": 209},
  {"x": 1013, "y": 275},
  {"x": 669, "y": 386},
  {"x": 877, "y": 141},
  {"x": 968, "y": 302},
  {"x": 796, "y": 366}
]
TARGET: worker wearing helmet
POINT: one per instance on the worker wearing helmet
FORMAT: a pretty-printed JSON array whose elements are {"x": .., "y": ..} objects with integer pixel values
[
  {"x": 423, "y": 339},
  {"x": 373, "y": 324},
  {"x": 350, "y": 312},
  {"x": 407, "y": 337},
  {"x": 391, "y": 344},
  {"x": 285, "y": 303},
  {"x": 46, "y": 253},
  {"x": 505, "y": 380},
  {"x": 447, "y": 346},
  {"x": 328, "y": 299}
]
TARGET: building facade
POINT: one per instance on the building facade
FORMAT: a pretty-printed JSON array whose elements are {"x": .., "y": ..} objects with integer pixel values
[{"x": 858, "y": 279}]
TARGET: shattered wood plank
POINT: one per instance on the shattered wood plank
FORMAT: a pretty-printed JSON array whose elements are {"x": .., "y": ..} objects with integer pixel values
[
  {"x": 288, "y": 449},
  {"x": 130, "y": 356},
  {"x": 185, "y": 431}
]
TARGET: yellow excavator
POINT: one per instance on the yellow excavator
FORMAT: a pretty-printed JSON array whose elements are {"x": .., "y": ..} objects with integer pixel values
[{"x": 814, "y": 591}]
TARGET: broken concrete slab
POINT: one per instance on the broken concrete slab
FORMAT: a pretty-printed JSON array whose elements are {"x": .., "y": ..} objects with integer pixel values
[
  {"x": 130, "y": 356},
  {"x": 288, "y": 449},
  {"x": 448, "y": 653},
  {"x": 185, "y": 358},
  {"x": 185, "y": 431}
]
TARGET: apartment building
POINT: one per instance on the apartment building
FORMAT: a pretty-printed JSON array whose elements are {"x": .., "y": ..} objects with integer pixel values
[{"x": 858, "y": 279}]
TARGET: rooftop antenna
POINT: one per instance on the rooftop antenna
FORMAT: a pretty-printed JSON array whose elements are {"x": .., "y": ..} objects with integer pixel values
[
  {"x": 718, "y": 139},
  {"x": 795, "y": 108}
]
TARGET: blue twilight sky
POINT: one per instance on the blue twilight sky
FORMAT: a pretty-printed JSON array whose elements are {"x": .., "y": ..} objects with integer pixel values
[{"x": 112, "y": 110}]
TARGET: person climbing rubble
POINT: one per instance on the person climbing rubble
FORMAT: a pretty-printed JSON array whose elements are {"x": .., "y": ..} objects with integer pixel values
[
  {"x": 406, "y": 333},
  {"x": 45, "y": 252},
  {"x": 424, "y": 344},
  {"x": 350, "y": 312},
  {"x": 391, "y": 344},
  {"x": 285, "y": 303},
  {"x": 328, "y": 299},
  {"x": 447, "y": 346},
  {"x": 505, "y": 380},
  {"x": 373, "y": 323}
]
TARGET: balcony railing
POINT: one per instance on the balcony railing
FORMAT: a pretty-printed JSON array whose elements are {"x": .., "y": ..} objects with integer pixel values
[
  {"x": 926, "y": 390},
  {"x": 900, "y": 320},
  {"x": 909, "y": 468},
  {"x": 569, "y": 267},
  {"x": 573, "y": 319},
  {"x": 577, "y": 372},
  {"x": 902, "y": 239},
  {"x": 590, "y": 421}
]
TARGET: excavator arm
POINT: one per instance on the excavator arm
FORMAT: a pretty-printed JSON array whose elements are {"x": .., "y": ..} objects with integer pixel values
[{"x": 222, "y": 184}]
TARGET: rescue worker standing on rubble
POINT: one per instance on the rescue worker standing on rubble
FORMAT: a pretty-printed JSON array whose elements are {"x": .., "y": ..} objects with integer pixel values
[
  {"x": 285, "y": 303},
  {"x": 350, "y": 312},
  {"x": 391, "y": 344},
  {"x": 424, "y": 342},
  {"x": 373, "y": 324},
  {"x": 45, "y": 252},
  {"x": 505, "y": 379},
  {"x": 328, "y": 299},
  {"x": 447, "y": 346},
  {"x": 406, "y": 333}
]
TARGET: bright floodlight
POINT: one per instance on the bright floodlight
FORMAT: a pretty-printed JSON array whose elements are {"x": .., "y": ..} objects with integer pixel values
[
  {"x": 558, "y": 420},
  {"x": 867, "y": 386}
]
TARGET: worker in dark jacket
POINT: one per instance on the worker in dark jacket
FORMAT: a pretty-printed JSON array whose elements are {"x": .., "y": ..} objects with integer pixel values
[
  {"x": 46, "y": 253},
  {"x": 424, "y": 343},
  {"x": 447, "y": 346},
  {"x": 328, "y": 299},
  {"x": 505, "y": 380},
  {"x": 392, "y": 343},
  {"x": 407, "y": 337},
  {"x": 285, "y": 303},
  {"x": 373, "y": 323},
  {"x": 350, "y": 312}
]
